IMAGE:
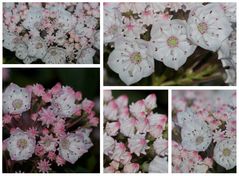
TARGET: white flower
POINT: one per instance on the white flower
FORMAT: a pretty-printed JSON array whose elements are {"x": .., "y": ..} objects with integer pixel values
[
  {"x": 33, "y": 18},
  {"x": 138, "y": 144},
  {"x": 161, "y": 146},
  {"x": 131, "y": 61},
  {"x": 158, "y": 165},
  {"x": 208, "y": 27},
  {"x": 230, "y": 11},
  {"x": 107, "y": 95},
  {"x": 16, "y": 100},
  {"x": 132, "y": 28},
  {"x": 109, "y": 144},
  {"x": 63, "y": 102},
  {"x": 55, "y": 55},
  {"x": 138, "y": 109},
  {"x": 112, "y": 25},
  {"x": 65, "y": 20},
  {"x": 9, "y": 40},
  {"x": 157, "y": 123},
  {"x": 169, "y": 43},
  {"x": 73, "y": 147},
  {"x": 29, "y": 60},
  {"x": 97, "y": 39},
  {"x": 196, "y": 135},
  {"x": 127, "y": 126},
  {"x": 37, "y": 47},
  {"x": 225, "y": 153},
  {"x": 86, "y": 56},
  {"x": 21, "y": 51},
  {"x": 119, "y": 150},
  {"x": 184, "y": 116},
  {"x": 20, "y": 145},
  {"x": 150, "y": 101},
  {"x": 112, "y": 128}
]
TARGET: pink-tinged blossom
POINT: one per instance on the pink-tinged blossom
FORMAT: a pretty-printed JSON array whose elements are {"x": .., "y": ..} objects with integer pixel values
[
  {"x": 138, "y": 144},
  {"x": 87, "y": 105},
  {"x": 119, "y": 150},
  {"x": 38, "y": 89},
  {"x": 7, "y": 119},
  {"x": 150, "y": 101},
  {"x": 60, "y": 161},
  {"x": 112, "y": 128},
  {"x": 44, "y": 166},
  {"x": 47, "y": 117},
  {"x": 131, "y": 168},
  {"x": 51, "y": 156},
  {"x": 138, "y": 109}
]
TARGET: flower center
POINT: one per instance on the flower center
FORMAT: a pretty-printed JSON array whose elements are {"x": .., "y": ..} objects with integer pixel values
[
  {"x": 136, "y": 57},
  {"x": 17, "y": 104},
  {"x": 39, "y": 45},
  {"x": 22, "y": 144},
  {"x": 172, "y": 41},
  {"x": 202, "y": 27},
  {"x": 226, "y": 152},
  {"x": 53, "y": 53},
  {"x": 199, "y": 140},
  {"x": 65, "y": 144}
]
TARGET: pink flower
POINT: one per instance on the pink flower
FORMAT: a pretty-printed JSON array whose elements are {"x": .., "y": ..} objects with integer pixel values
[
  {"x": 38, "y": 89},
  {"x": 47, "y": 117},
  {"x": 112, "y": 128},
  {"x": 59, "y": 127},
  {"x": 138, "y": 109},
  {"x": 39, "y": 150},
  {"x": 7, "y": 119},
  {"x": 60, "y": 161},
  {"x": 87, "y": 105},
  {"x": 32, "y": 131},
  {"x": 131, "y": 168},
  {"x": 78, "y": 95},
  {"x": 55, "y": 89},
  {"x": 44, "y": 166},
  {"x": 46, "y": 97},
  {"x": 51, "y": 156}
]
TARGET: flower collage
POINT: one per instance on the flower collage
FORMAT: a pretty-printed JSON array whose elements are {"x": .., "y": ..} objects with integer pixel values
[{"x": 117, "y": 87}]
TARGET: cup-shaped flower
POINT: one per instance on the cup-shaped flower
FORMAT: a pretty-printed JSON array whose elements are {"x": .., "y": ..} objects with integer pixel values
[
  {"x": 208, "y": 27},
  {"x": 20, "y": 145},
  {"x": 16, "y": 100},
  {"x": 225, "y": 153},
  {"x": 130, "y": 60},
  {"x": 169, "y": 43},
  {"x": 196, "y": 135}
]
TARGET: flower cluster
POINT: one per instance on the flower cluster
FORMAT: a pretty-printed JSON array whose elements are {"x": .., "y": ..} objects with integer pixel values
[
  {"x": 47, "y": 127},
  {"x": 143, "y": 32},
  {"x": 55, "y": 33},
  {"x": 204, "y": 131},
  {"x": 135, "y": 138}
]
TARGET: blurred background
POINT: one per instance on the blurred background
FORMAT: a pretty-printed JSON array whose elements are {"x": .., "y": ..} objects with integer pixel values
[{"x": 85, "y": 80}]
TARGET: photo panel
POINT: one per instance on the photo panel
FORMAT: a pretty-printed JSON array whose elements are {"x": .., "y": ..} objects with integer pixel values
[
  {"x": 135, "y": 131},
  {"x": 51, "y": 120},
  {"x": 169, "y": 44},
  {"x": 51, "y": 33},
  {"x": 204, "y": 131}
]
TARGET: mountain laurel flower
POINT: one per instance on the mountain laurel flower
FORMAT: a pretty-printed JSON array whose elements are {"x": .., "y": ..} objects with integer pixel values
[
  {"x": 169, "y": 43},
  {"x": 72, "y": 147},
  {"x": 225, "y": 153},
  {"x": 161, "y": 146},
  {"x": 150, "y": 101},
  {"x": 16, "y": 100},
  {"x": 208, "y": 27},
  {"x": 184, "y": 116},
  {"x": 131, "y": 168},
  {"x": 138, "y": 144},
  {"x": 158, "y": 165},
  {"x": 20, "y": 145},
  {"x": 196, "y": 135},
  {"x": 131, "y": 61},
  {"x": 119, "y": 150},
  {"x": 63, "y": 102},
  {"x": 43, "y": 166},
  {"x": 109, "y": 144},
  {"x": 112, "y": 128}
]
